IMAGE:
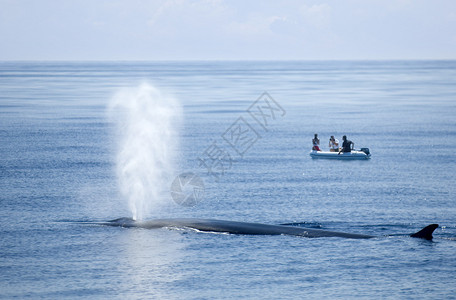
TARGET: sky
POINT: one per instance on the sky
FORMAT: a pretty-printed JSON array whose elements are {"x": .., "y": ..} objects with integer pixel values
[{"x": 227, "y": 29}]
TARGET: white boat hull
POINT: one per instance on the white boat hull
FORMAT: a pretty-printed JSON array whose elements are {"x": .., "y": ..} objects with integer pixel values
[{"x": 343, "y": 155}]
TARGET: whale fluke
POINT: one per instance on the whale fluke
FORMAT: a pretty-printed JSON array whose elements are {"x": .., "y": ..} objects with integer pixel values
[{"x": 426, "y": 232}]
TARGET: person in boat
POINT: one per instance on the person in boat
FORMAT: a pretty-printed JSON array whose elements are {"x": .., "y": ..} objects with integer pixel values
[
  {"x": 316, "y": 143},
  {"x": 333, "y": 144},
  {"x": 347, "y": 145}
]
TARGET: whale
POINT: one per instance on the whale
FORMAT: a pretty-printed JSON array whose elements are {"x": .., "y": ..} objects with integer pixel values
[{"x": 246, "y": 228}]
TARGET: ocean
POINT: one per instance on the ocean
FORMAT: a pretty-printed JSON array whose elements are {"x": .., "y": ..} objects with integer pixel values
[{"x": 88, "y": 142}]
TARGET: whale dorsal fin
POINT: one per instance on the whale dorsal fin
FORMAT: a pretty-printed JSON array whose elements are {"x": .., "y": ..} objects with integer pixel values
[{"x": 426, "y": 232}]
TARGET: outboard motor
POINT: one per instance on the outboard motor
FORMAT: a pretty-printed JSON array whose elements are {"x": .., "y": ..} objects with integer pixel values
[{"x": 365, "y": 150}]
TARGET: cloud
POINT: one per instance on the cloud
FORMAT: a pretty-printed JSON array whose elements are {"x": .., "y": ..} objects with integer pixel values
[
  {"x": 256, "y": 25},
  {"x": 177, "y": 17},
  {"x": 317, "y": 15}
]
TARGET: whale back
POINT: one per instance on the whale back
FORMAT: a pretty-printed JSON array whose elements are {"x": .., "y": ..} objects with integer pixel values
[{"x": 234, "y": 227}]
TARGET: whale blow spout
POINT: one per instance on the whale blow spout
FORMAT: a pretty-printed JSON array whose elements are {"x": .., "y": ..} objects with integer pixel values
[{"x": 147, "y": 132}]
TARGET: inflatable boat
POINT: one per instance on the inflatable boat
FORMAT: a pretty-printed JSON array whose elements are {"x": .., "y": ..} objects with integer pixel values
[{"x": 364, "y": 153}]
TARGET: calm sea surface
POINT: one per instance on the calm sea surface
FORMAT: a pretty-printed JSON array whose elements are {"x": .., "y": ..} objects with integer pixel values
[{"x": 58, "y": 173}]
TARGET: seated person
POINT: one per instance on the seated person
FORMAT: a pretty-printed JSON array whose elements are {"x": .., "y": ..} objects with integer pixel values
[
  {"x": 347, "y": 145},
  {"x": 316, "y": 143},
  {"x": 333, "y": 144}
]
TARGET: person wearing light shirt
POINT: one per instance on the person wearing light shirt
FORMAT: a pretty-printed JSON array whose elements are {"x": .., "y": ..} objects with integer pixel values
[{"x": 333, "y": 144}]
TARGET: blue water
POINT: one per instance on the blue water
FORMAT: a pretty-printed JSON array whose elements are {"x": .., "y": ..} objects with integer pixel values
[{"x": 57, "y": 170}]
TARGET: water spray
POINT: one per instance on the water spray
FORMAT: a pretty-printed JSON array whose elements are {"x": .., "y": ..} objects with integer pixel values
[{"x": 147, "y": 122}]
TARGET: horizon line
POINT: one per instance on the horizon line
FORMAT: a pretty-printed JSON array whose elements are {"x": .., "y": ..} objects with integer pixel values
[{"x": 229, "y": 60}]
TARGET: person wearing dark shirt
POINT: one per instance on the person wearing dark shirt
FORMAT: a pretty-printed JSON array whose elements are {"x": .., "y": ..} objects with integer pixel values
[{"x": 347, "y": 145}]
